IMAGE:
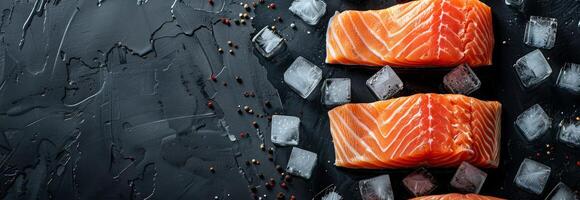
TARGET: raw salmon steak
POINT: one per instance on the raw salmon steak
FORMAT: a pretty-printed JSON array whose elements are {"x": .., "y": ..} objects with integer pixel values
[
  {"x": 434, "y": 130},
  {"x": 422, "y": 33},
  {"x": 455, "y": 196}
]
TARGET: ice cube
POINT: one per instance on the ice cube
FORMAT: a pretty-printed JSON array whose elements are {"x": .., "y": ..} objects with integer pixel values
[
  {"x": 332, "y": 196},
  {"x": 302, "y": 76},
  {"x": 515, "y": 3},
  {"x": 532, "y": 176},
  {"x": 468, "y": 178},
  {"x": 533, "y": 122},
  {"x": 532, "y": 69},
  {"x": 285, "y": 130},
  {"x": 385, "y": 83},
  {"x": 461, "y": 80},
  {"x": 301, "y": 162},
  {"x": 570, "y": 134},
  {"x": 420, "y": 182},
  {"x": 309, "y": 10},
  {"x": 377, "y": 188},
  {"x": 561, "y": 192},
  {"x": 267, "y": 42},
  {"x": 336, "y": 91},
  {"x": 569, "y": 78},
  {"x": 541, "y": 32}
]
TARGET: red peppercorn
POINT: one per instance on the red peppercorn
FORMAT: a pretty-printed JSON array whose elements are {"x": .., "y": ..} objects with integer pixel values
[
  {"x": 226, "y": 21},
  {"x": 210, "y": 2},
  {"x": 272, "y": 6},
  {"x": 578, "y": 163},
  {"x": 213, "y": 77},
  {"x": 292, "y": 197},
  {"x": 283, "y": 185},
  {"x": 210, "y": 104}
]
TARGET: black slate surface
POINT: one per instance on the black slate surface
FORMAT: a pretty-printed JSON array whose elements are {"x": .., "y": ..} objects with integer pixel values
[{"x": 108, "y": 99}]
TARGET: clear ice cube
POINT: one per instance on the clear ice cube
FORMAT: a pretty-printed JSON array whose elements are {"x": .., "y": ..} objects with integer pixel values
[
  {"x": 570, "y": 134},
  {"x": 569, "y": 78},
  {"x": 420, "y": 182},
  {"x": 332, "y": 196},
  {"x": 533, "y": 122},
  {"x": 541, "y": 32},
  {"x": 267, "y": 42},
  {"x": 377, "y": 188},
  {"x": 532, "y": 176},
  {"x": 561, "y": 192},
  {"x": 285, "y": 130},
  {"x": 532, "y": 69},
  {"x": 468, "y": 178},
  {"x": 301, "y": 162},
  {"x": 336, "y": 91},
  {"x": 461, "y": 80},
  {"x": 302, "y": 76},
  {"x": 385, "y": 83},
  {"x": 310, "y": 11}
]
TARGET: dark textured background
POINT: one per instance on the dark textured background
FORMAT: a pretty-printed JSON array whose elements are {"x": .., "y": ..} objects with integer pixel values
[{"x": 107, "y": 99}]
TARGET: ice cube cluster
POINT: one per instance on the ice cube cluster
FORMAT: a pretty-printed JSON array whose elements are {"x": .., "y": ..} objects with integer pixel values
[
  {"x": 267, "y": 42},
  {"x": 532, "y": 69},
  {"x": 533, "y": 122},
  {"x": 377, "y": 188},
  {"x": 336, "y": 91},
  {"x": 570, "y": 134},
  {"x": 301, "y": 162},
  {"x": 569, "y": 78},
  {"x": 541, "y": 32},
  {"x": 420, "y": 182},
  {"x": 285, "y": 130},
  {"x": 303, "y": 76},
  {"x": 461, "y": 80},
  {"x": 468, "y": 178},
  {"x": 310, "y": 11},
  {"x": 532, "y": 176},
  {"x": 385, "y": 83}
]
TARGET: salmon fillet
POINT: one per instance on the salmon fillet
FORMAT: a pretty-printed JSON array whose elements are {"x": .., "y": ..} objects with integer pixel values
[
  {"x": 422, "y": 33},
  {"x": 436, "y": 130},
  {"x": 455, "y": 196}
]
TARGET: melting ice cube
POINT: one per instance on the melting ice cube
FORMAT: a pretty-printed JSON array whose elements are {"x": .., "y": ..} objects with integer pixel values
[
  {"x": 302, "y": 76},
  {"x": 301, "y": 162},
  {"x": 468, "y": 178},
  {"x": 377, "y": 188},
  {"x": 336, "y": 91},
  {"x": 309, "y": 10},
  {"x": 285, "y": 130},
  {"x": 561, "y": 192},
  {"x": 533, "y": 68},
  {"x": 420, "y": 182},
  {"x": 541, "y": 32},
  {"x": 332, "y": 196},
  {"x": 267, "y": 42},
  {"x": 533, "y": 122},
  {"x": 461, "y": 80},
  {"x": 385, "y": 83},
  {"x": 570, "y": 134},
  {"x": 569, "y": 78},
  {"x": 532, "y": 176}
]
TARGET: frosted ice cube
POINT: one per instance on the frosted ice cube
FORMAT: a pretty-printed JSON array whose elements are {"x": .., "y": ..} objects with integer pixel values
[
  {"x": 285, "y": 130},
  {"x": 569, "y": 78},
  {"x": 301, "y": 162},
  {"x": 561, "y": 192},
  {"x": 332, "y": 196},
  {"x": 377, "y": 188},
  {"x": 267, "y": 42},
  {"x": 532, "y": 69},
  {"x": 541, "y": 32},
  {"x": 532, "y": 176},
  {"x": 308, "y": 10},
  {"x": 461, "y": 80},
  {"x": 385, "y": 83},
  {"x": 302, "y": 76},
  {"x": 468, "y": 178},
  {"x": 420, "y": 182},
  {"x": 336, "y": 91},
  {"x": 570, "y": 134},
  {"x": 533, "y": 122}
]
